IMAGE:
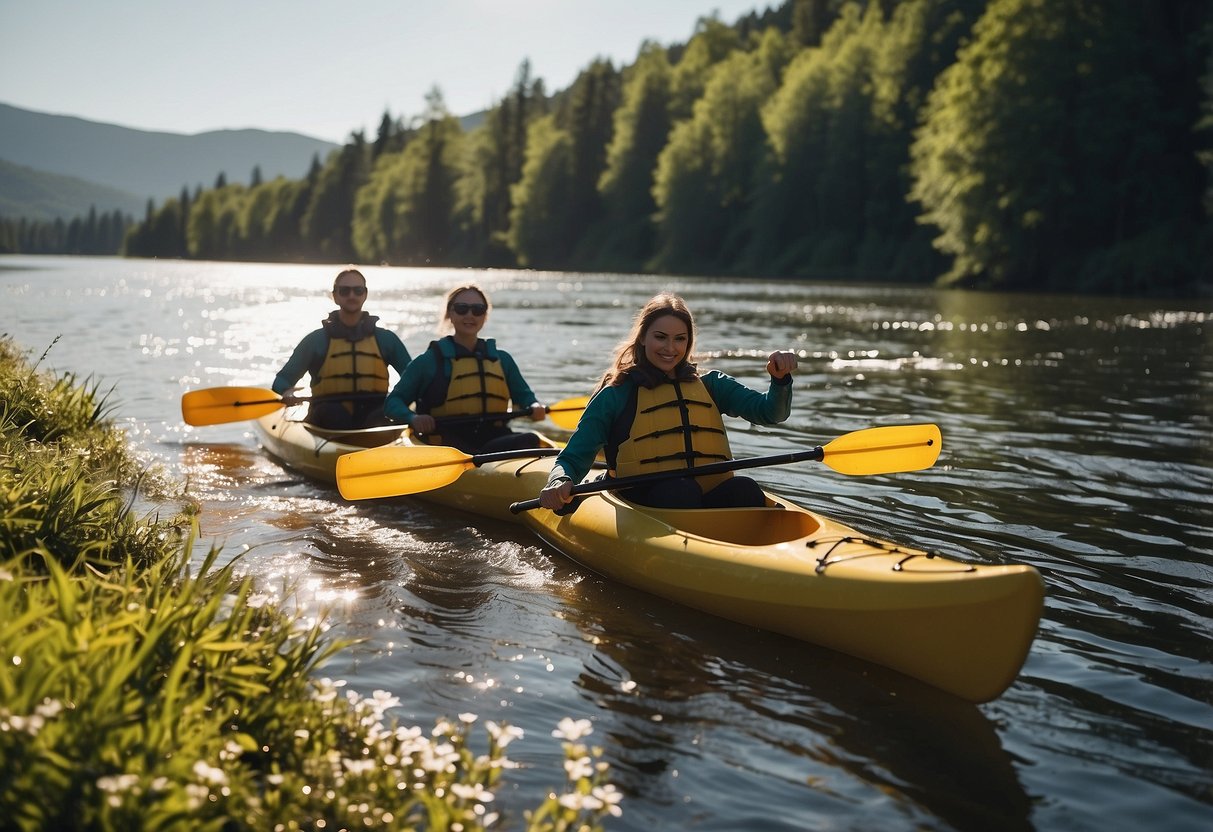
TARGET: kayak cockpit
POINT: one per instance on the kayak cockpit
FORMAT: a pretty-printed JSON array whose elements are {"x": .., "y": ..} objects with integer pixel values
[{"x": 739, "y": 526}]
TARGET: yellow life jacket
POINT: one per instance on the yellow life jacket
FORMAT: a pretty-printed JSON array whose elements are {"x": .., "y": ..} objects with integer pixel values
[
  {"x": 477, "y": 385},
  {"x": 677, "y": 425},
  {"x": 351, "y": 367}
]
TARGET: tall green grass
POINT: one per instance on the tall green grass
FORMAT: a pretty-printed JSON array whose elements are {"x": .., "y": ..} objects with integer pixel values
[{"x": 141, "y": 691}]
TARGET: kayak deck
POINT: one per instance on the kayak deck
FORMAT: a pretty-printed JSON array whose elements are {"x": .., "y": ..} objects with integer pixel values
[{"x": 964, "y": 628}]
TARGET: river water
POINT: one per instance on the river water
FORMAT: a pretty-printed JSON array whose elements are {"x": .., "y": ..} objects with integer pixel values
[{"x": 1077, "y": 438}]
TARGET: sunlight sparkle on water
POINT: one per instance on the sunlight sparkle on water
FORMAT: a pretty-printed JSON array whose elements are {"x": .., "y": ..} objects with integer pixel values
[{"x": 482, "y": 684}]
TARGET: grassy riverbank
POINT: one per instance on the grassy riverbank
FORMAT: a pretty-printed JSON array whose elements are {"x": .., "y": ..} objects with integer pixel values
[{"x": 141, "y": 690}]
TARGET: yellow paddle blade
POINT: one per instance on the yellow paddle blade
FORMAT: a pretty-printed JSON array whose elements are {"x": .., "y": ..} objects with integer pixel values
[
  {"x": 887, "y": 450},
  {"x": 394, "y": 471},
  {"x": 220, "y": 405},
  {"x": 567, "y": 413}
]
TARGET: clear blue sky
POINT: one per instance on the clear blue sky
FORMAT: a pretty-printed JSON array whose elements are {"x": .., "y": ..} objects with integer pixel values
[{"x": 316, "y": 67}]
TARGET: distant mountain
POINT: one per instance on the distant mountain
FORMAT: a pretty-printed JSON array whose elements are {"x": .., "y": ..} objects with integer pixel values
[
  {"x": 146, "y": 164},
  {"x": 34, "y": 195}
]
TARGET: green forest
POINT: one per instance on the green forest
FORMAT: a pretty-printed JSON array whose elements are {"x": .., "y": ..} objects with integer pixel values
[
  {"x": 96, "y": 233},
  {"x": 1027, "y": 145}
]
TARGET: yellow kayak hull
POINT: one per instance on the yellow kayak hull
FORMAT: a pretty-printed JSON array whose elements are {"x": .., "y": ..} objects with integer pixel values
[
  {"x": 313, "y": 451},
  {"x": 485, "y": 491},
  {"x": 964, "y": 628}
]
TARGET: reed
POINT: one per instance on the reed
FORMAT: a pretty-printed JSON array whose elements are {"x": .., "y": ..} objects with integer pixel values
[{"x": 144, "y": 689}]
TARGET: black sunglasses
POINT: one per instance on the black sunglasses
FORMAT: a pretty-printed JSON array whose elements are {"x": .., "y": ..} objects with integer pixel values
[
  {"x": 345, "y": 291},
  {"x": 476, "y": 309}
]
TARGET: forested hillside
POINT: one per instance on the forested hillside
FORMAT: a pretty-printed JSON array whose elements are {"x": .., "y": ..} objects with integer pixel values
[{"x": 1054, "y": 145}]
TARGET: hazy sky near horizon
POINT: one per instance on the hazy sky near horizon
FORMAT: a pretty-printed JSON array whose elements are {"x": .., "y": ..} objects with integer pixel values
[{"x": 316, "y": 67}]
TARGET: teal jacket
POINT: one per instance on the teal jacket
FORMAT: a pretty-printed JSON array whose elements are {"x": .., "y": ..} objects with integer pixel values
[
  {"x": 424, "y": 369},
  {"x": 732, "y": 398},
  {"x": 309, "y": 354}
]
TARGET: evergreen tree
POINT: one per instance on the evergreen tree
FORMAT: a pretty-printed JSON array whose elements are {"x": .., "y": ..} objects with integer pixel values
[
  {"x": 711, "y": 44},
  {"x": 213, "y": 231},
  {"x": 706, "y": 172},
  {"x": 391, "y": 136},
  {"x": 586, "y": 113},
  {"x": 641, "y": 128},
  {"x": 788, "y": 222},
  {"x": 405, "y": 213},
  {"x": 541, "y": 229},
  {"x": 497, "y": 151},
  {"x": 327, "y": 222},
  {"x": 811, "y": 19}
]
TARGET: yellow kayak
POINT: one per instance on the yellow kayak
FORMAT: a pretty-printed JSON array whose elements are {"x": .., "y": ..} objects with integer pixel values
[
  {"x": 964, "y": 628},
  {"x": 485, "y": 491},
  {"x": 314, "y": 451}
]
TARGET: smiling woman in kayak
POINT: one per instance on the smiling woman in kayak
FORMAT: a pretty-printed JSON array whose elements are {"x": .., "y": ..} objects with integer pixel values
[
  {"x": 460, "y": 377},
  {"x": 654, "y": 411}
]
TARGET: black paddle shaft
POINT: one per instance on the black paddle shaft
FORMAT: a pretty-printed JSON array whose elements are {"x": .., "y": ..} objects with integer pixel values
[
  {"x": 814, "y": 455},
  {"x": 339, "y": 397},
  {"x": 480, "y": 417}
]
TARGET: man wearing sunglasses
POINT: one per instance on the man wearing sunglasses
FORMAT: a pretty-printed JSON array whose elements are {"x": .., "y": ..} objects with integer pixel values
[{"x": 348, "y": 358}]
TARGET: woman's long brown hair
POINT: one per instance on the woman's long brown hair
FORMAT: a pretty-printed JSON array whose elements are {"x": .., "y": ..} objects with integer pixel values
[{"x": 629, "y": 354}]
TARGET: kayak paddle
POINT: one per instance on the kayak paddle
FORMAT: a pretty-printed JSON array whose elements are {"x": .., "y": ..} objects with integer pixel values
[
  {"x": 564, "y": 413},
  {"x": 887, "y": 450},
  {"x": 222, "y": 405},
  {"x": 393, "y": 471}
]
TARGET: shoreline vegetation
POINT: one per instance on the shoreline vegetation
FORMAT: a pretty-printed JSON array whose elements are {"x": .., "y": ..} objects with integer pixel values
[{"x": 143, "y": 688}]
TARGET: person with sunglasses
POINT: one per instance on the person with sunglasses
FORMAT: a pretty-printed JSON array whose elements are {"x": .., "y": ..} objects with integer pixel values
[
  {"x": 348, "y": 358},
  {"x": 655, "y": 411},
  {"x": 462, "y": 376}
]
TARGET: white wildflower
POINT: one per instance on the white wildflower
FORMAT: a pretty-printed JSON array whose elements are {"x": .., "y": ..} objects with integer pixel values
[
  {"x": 573, "y": 729},
  {"x": 117, "y": 783},
  {"x": 208, "y": 773},
  {"x": 326, "y": 689},
  {"x": 611, "y": 797},
  {"x": 473, "y": 791},
  {"x": 359, "y": 766},
  {"x": 503, "y": 734},
  {"x": 578, "y": 802},
  {"x": 196, "y": 795},
  {"x": 49, "y": 708},
  {"x": 383, "y": 700},
  {"x": 578, "y": 768}
]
